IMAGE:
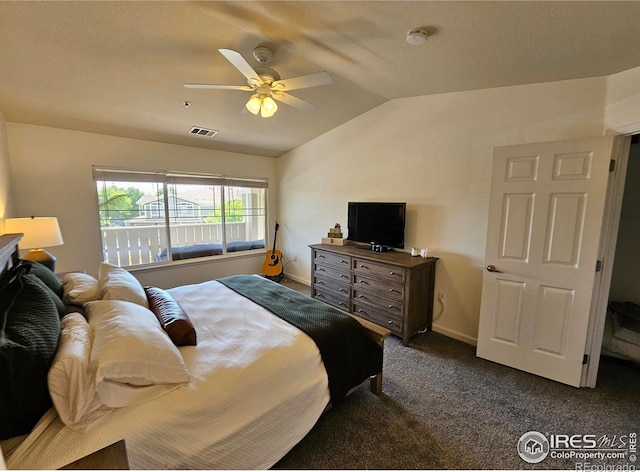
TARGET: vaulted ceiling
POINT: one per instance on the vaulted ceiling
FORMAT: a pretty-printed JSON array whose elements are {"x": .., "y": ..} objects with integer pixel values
[{"x": 118, "y": 67}]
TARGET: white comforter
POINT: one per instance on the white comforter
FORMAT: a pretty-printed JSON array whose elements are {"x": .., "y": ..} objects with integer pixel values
[{"x": 257, "y": 387}]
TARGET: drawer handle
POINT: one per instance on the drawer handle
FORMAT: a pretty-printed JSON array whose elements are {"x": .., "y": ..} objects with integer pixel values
[
  {"x": 320, "y": 256},
  {"x": 342, "y": 261},
  {"x": 342, "y": 304},
  {"x": 392, "y": 290},
  {"x": 363, "y": 282},
  {"x": 363, "y": 266},
  {"x": 321, "y": 269},
  {"x": 343, "y": 290},
  {"x": 391, "y": 306},
  {"x": 392, "y": 273},
  {"x": 362, "y": 296},
  {"x": 320, "y": 282},
  {"x": 390, "y": 322},
  {"x": 344, "y": 276},
  {"x": 360, "y": 311}
]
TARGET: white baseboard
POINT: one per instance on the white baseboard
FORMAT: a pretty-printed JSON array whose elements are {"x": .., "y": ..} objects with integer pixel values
[
  {"x": 455, "y": 335},
  {"x": 298, "y": 279}
]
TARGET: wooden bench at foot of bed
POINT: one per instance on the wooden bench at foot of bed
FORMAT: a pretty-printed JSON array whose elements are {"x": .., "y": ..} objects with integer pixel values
[{"x": 378, "y": 334}]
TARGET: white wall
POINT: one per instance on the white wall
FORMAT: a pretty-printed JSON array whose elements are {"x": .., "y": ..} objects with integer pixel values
[
  {"x": 435, "y": 153},
  {"x": 6, "y": 200},
  {"x": 51, "y": 176},
  {"x": 622, "y": 112}
]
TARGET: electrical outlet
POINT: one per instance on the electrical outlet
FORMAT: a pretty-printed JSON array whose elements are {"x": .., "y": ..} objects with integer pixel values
[{"x": 440, "y": 296}]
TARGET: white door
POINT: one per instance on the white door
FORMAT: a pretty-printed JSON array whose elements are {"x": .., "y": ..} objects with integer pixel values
[{"x": 545, "y": 218}]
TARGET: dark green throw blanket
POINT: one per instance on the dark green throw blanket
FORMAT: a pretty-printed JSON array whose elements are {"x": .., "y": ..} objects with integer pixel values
[{"x": 348, "y": 354}]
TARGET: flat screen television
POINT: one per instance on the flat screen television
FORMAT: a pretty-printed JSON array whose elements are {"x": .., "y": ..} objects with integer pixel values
[{"x": 381, "y": 223}]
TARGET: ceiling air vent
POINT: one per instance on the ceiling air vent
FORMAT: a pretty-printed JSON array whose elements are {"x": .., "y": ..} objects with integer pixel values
[{"x": 203, "y": 132}]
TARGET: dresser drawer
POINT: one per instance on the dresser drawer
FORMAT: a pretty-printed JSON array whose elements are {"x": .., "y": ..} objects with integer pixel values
[
  {"x": 336, "y": 260},
  {"x": 367, "y": 268},
  {"x": 380, "y": 287},
  {"x": 324, "y": 284},
  {"x": 338, "y": 275},
  {"x": 393, "y": 322},
  {"x": 385, "y": 305},
  {"x": 332, "y": 298}
]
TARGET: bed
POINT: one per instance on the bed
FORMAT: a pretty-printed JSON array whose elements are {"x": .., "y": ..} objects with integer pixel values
[{"x": 255, "y": 384}]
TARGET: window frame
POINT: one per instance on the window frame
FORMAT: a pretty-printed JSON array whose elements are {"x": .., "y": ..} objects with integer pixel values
[{"x": 165, "y": 179}]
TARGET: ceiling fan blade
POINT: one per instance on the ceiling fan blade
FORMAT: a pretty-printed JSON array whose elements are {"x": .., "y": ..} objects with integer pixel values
[
  {"x": 218, "y": 87},
  {"x": 303, "y": 81},
  {"x": 242, "y": 65},
  {"x": 293, "y": 101}
]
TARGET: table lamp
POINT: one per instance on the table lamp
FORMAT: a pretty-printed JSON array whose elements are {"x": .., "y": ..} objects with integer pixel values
[{"x": 38, "y": 232}]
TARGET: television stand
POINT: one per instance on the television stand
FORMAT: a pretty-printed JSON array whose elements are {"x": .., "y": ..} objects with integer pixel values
[{"x": 391, "y": 289}]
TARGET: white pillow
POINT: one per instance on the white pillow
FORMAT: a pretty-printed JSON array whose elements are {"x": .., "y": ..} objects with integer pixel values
[
  {"x": 134, "y": 358},
  {"x": 117, "y": 283},
  {"x": 79, "y": 288},
  {"x": 71, "y": 380}
]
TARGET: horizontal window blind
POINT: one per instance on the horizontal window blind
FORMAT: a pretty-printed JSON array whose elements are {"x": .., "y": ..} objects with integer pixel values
[{"x": 106, "y": 173}]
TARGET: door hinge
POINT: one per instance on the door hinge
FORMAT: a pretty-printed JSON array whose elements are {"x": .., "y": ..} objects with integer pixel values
[
  {"x": 598, "y": 266},
  {"x": 585, "y": 359},
  {"x": 612, "y": 165}
]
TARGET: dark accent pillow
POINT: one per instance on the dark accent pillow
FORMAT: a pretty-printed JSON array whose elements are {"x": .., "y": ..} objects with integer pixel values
[
  {"x": 29, "y": 331},
  {"x": 47, "y": 276},
  {"x": 55, "y": 298},
  {"x": 172, "y": 317}
]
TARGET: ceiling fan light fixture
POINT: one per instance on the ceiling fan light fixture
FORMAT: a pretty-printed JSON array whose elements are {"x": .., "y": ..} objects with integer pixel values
[
  {"x": 254, "y": 104},
  {"x": 265, "y": 84},
  {"x": 269, "y": 107}
]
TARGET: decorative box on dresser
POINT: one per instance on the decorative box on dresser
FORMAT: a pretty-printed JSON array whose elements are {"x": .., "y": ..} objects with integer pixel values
[{"x": 392, "y": 289}]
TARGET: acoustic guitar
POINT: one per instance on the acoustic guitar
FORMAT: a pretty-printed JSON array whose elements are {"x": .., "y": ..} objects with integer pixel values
[{"x": 272, "y": 266}]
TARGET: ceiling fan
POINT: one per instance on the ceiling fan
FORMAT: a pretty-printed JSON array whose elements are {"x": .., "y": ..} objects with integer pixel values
[{"x": 266, "y": 85}]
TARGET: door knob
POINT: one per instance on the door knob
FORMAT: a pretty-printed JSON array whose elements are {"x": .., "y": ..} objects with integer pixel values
[{"x": 492, "y": 268}]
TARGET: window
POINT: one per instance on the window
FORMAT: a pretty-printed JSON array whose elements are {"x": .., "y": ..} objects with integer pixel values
[{"x": 153, "y": 217}]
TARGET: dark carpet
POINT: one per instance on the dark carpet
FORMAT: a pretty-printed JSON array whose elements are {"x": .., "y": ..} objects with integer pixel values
[{"x": 444, "y": 408}]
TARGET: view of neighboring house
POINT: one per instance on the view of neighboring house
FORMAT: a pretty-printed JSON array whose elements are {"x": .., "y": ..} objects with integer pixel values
[{"x": 189, "y": 207}]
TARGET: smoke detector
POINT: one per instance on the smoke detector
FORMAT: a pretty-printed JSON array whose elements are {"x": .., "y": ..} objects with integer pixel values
[{"x": 417, "y": 36}]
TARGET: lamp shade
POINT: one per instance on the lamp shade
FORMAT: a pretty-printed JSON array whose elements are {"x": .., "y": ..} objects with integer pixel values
[
  {"x": 38, "y": 232},
  {"x": 262, "y": 103},
  {"x": 254, "y": 103},
  {"x": 269, "y": 107}
]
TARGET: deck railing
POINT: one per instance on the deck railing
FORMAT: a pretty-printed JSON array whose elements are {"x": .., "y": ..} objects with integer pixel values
[{"x": 133, "y": 245}]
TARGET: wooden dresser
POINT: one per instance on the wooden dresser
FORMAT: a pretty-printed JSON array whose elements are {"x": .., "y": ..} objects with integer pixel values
[{"x": 391, "y": 289}]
